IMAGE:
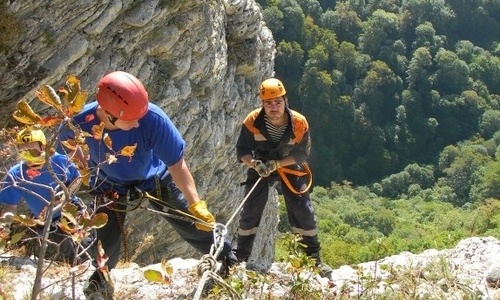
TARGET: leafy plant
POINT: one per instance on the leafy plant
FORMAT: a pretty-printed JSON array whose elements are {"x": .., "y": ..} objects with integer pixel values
[{"x": 64, "y": 103}]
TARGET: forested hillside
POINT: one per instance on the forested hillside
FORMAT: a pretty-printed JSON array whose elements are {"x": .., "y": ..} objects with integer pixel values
[
  {"x": 394, "y": 86},
  {"x": 403, "y": 100}
]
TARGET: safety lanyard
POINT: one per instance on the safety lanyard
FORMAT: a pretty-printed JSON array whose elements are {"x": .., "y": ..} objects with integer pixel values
[{"x": 283, "y": 171}]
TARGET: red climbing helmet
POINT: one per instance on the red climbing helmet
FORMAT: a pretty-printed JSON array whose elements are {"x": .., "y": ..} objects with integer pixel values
[{"x": 123, "y": 96}]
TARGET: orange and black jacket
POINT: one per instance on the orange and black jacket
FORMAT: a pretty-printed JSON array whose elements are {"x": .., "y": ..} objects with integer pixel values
[{"x": 255, "y": 140}]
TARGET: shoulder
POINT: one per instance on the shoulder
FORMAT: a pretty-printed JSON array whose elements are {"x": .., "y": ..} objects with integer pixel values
[
  {"x": 15, "y": 169},
  {"x": 156, "y": 110},
  {"x": 59, "y": 159},
  {"x": 154, "y": 116},
  {"x": 298, "y": 119},
  {"x": 87, "y": 114},
  {"x": 250, "y": 118},
  {"x": 15, "y": 172}
]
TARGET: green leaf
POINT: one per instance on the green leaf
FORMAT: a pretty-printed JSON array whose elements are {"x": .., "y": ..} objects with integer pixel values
[
  {"x": 153, "y": 276},
  {"x": 16, "y": 237}
]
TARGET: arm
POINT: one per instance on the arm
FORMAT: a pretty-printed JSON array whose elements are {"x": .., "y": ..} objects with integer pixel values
[
  {"x": 246, "y": 143},
  {"x": 184, "y": 181},
  {"x": 301, "y": 151},
  {"x": 244, "y": 146}
]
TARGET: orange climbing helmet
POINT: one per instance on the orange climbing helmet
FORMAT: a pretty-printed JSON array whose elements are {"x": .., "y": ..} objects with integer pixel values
[
  {"x": 123, "y": 96},
  {"x": 271, "y": 88}
]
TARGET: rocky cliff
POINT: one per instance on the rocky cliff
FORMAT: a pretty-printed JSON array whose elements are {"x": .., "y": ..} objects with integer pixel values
[
  {"x": 471, "y": 270},
  {"x": 201, "y": 61}
]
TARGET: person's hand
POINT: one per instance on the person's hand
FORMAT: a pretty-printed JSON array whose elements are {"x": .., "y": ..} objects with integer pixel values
[
  {"x": 261, "y": 168},
  {"x": 199, "y": 210},
  {"x": 60, "y": 196},
  {"x": 5, "y": 222},
  {"x": 7, "y": 219},
  {"x": 272, "y": 165}
]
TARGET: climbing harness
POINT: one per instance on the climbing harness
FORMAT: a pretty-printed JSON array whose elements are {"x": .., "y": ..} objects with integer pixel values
[
  {"x": 135, "y": 200},
  {"x": 141, "y": 196},
  {"x": 283, "y": 171}
]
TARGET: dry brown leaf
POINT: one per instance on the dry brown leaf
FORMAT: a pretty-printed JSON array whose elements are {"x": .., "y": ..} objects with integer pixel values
[
  {"x": 107, "y": 141},
  {"x": 97, "y": 131},
  {"x": 25, "y": 112},
  {"x": 128, "y": 151},
  {"x": 48, "y": 95}
]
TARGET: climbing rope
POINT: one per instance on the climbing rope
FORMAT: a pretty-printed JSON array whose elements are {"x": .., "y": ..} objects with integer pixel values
[
  {"x": 243, "y": 202},
  {"x": 208, "y": 264}
]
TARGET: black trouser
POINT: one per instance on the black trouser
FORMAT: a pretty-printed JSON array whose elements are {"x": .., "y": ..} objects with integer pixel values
[
  {"x": 60, "y": 245},
  {"x": 299, "y": 209},
  {"x": 111, "y": 234}
]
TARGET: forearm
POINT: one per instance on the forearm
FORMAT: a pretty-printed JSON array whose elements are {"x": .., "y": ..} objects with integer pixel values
[
  {"x": 184, "y": 181},
  {"x": 286, "y": 161},
  {"x": 249, "y": 161}
]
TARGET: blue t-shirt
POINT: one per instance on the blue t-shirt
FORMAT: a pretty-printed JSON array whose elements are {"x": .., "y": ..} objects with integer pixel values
[
  {"x": 159, "y": 144},
  {"x": 39, "y": 182}
]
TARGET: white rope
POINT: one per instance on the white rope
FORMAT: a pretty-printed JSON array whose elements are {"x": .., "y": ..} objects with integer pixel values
[{"x": 220, "y": 232}]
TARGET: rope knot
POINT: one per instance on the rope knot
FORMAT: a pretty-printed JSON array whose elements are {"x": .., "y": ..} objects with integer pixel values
[{"x": 206, "y": 263}]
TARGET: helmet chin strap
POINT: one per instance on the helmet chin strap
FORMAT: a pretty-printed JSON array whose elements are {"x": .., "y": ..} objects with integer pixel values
[{"x": 112, "y": 119}]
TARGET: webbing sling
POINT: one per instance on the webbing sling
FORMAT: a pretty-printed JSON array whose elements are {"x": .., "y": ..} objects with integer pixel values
[{"x": 283, "y": 171}]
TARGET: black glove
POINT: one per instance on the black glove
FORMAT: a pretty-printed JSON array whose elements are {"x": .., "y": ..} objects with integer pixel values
[
  {"x": 272, "y": 165},
  {"x": 261, "y": 168}
]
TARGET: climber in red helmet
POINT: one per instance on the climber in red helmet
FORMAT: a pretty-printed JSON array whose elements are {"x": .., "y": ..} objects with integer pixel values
[{"x": 157, "y": 166}]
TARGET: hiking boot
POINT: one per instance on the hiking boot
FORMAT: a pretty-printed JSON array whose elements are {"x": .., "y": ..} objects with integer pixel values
[
  {"x": 324, "y": 270},
  {"x": 99, "y": 290},
  {"x": 206, "y": 290}
]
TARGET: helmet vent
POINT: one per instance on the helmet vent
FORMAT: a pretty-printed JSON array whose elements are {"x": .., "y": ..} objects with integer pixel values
[{"x": 117, "y": 95}]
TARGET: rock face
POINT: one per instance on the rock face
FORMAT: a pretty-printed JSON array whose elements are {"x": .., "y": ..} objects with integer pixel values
[{"x": 200, "y": 60}]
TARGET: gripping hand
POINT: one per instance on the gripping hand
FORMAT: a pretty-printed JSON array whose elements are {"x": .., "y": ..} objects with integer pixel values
[
  {"x": 5, "y": 222},
  {"x": 7, "y": 219},
  {"x": 272, "y": 165},
  {"x": 261, "y": 168},
  {"x": 199, "y": 210}
]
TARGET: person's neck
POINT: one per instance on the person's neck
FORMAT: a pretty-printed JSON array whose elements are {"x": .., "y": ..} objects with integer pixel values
[{"x": 103, "y": 117}]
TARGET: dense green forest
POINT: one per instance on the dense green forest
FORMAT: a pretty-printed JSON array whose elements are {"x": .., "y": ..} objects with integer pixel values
[
  {"x": 389, "y": 83},
  {"x": 403, "y": 100}
]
